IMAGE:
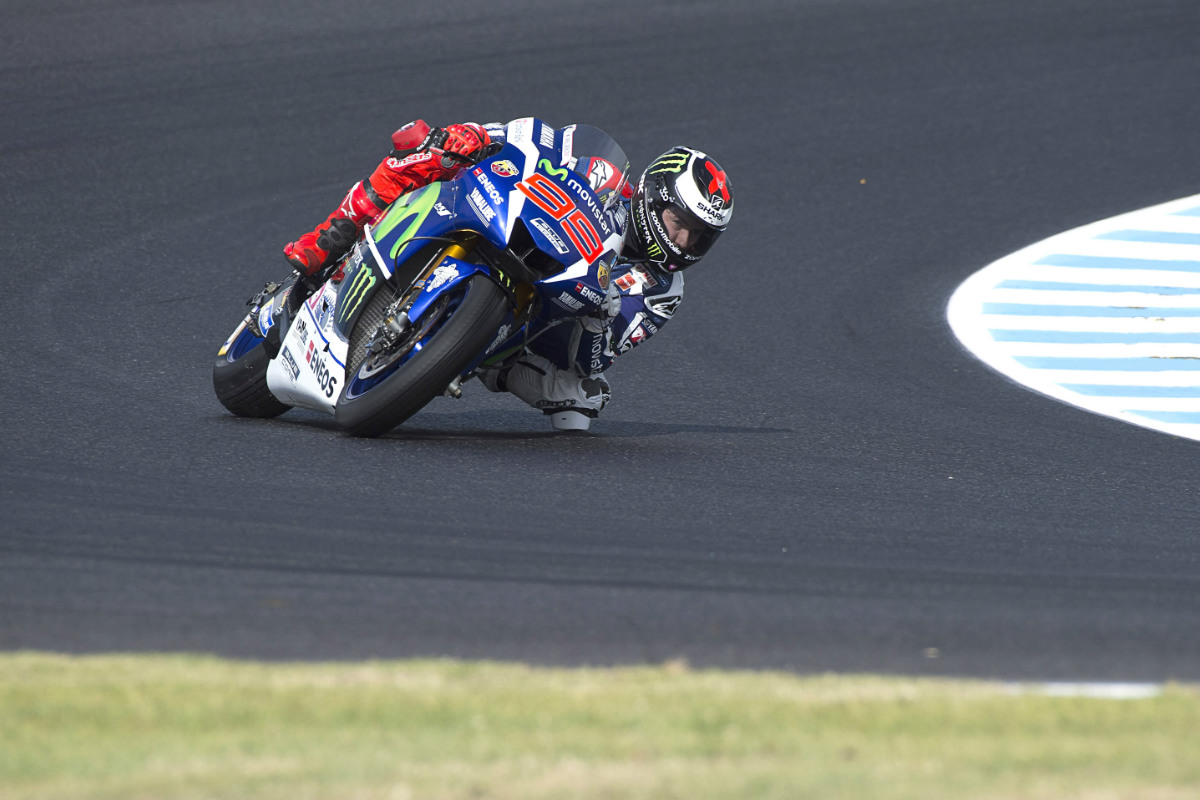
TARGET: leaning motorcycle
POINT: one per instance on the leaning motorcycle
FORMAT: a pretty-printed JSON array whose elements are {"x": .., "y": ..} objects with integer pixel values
[{"x": 454, "y": 277}]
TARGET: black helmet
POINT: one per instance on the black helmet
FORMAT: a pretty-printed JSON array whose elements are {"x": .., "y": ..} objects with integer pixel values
[{"x": 683, "y": 190}]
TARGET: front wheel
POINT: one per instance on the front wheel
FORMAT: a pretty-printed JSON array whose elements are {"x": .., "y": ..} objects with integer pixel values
[{"x": 384, "y": 390}]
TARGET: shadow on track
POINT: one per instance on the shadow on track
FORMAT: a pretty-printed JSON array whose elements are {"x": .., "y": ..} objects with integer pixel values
[{"x": 493, "y": 426}]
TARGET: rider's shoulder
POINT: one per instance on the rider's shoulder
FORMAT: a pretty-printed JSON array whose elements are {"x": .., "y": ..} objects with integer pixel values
[
  {"x": 666, "y": 283},
  {"x": 662, "y": 300},
  {"x": 639, "y": 277}
]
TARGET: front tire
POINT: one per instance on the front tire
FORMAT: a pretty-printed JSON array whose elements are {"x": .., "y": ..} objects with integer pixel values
[{"x": 371, "y": 406}]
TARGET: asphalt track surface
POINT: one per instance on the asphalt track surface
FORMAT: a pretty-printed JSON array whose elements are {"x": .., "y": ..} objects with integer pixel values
[{"x": 803, "y": 471}]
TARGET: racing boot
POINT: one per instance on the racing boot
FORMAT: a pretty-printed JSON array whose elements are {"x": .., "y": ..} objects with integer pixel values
[{"x": 329, "y": 241}]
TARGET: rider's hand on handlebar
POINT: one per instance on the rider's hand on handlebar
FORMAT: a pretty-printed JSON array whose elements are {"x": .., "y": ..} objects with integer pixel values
[
  {"x": 602, "y": 317},
  {"x": 463, "y": 142}
]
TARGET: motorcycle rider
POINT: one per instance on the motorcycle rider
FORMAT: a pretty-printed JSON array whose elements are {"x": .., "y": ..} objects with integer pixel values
[{"x": 681, "y": 204}]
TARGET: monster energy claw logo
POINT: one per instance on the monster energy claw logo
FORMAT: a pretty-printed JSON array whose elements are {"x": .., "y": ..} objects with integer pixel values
[
  {"x": 364, "y": 279},
  {"x": 671, "y": 162}
]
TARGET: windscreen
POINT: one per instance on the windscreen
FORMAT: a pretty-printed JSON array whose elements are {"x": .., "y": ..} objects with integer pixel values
[{"x": 596, "y": 156}]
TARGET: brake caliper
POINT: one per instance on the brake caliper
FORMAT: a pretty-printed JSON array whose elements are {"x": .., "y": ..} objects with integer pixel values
[{"x": 389, "y": 332}]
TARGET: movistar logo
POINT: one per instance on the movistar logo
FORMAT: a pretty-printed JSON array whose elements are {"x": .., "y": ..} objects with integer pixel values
[
  {"x": 557, "y": 172},
  {"x": 364, "y": 279},
  {"x": 671, "y": 162}
]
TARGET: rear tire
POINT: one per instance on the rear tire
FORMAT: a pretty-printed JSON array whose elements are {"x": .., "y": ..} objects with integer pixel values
[
  {"x": 241, "y": 384},
  {"x": 454, "y": 343}
]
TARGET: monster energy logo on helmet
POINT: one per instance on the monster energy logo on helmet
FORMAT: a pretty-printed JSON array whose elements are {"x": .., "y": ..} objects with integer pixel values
[{"x": 670, "y": 163}]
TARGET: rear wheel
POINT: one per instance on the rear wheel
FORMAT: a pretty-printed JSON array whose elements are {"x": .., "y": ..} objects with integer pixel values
[
  {"x": 240, "y": 371},
  {"x": 384, "y": 389},
  {"x": 240, "y": 378}
]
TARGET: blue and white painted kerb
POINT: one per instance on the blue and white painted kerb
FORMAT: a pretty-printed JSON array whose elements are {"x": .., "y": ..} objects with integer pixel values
[{"x": 1105, "y": 317}]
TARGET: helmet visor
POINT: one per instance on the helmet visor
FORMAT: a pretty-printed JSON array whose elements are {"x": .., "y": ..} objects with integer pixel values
[{"x": 688, "y": 233}]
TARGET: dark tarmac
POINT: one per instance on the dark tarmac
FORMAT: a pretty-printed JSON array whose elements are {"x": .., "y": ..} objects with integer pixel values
[{"x": 803, "y": 471}]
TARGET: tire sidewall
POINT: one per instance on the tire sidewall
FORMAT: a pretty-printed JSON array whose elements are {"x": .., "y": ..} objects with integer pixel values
[{"x": 451, "y": 349}]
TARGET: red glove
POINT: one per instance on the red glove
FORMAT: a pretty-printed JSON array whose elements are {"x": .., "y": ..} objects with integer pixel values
[
  {"x": 462, "y": 140},
  {"x": 465, "y": 140},
  {"x": 422, "y": 155}
]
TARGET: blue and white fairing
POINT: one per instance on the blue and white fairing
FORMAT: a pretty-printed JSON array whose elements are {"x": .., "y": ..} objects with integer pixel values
[
  {"x": 564, "y": 186},
  {"x": 541, "y": 180}
]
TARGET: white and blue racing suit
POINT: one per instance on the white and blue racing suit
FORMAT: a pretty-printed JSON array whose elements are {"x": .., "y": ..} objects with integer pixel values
[{"x": 561, "y": 370}]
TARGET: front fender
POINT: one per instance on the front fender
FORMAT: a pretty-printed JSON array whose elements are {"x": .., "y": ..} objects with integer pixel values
[{"x": 449, "y": 273}]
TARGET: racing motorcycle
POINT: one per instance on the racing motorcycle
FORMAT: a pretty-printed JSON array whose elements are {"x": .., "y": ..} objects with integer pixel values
[{"x": 454, "y": 277}]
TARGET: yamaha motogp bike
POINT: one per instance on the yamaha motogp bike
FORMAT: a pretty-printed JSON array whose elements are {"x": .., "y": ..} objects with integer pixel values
[{"x": 453, "y": 277}]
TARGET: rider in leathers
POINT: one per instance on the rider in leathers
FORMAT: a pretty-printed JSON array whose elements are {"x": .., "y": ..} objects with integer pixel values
[{"x": 680, "y": 205}]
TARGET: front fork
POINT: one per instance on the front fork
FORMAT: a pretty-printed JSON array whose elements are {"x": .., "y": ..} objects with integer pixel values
[{"x": 396, "y": 322}]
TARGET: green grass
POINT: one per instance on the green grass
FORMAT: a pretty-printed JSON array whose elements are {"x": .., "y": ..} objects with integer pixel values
[{"x": 189, "y": 727}]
